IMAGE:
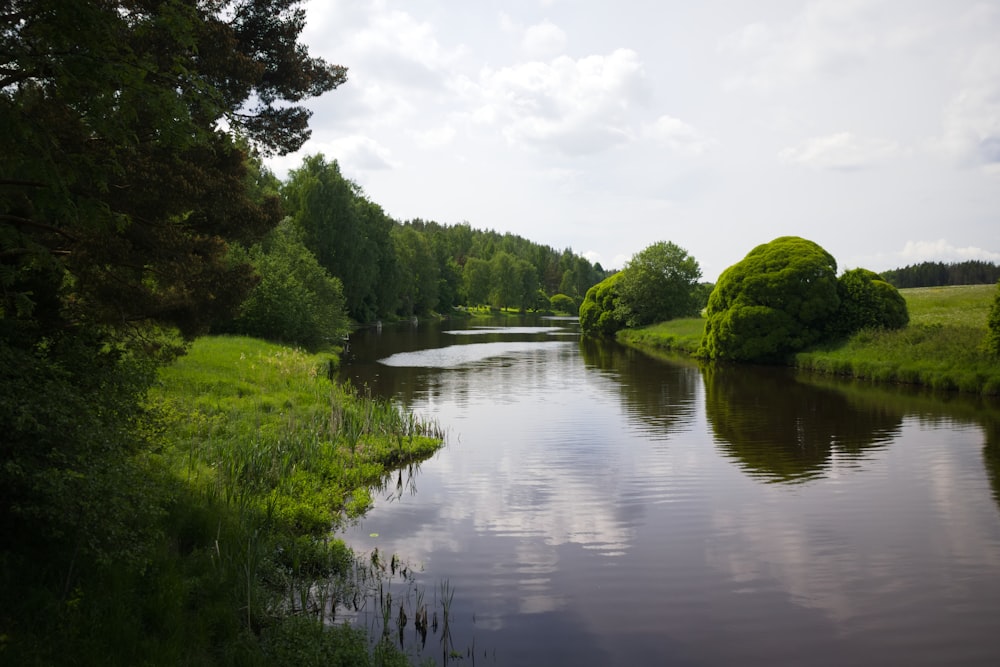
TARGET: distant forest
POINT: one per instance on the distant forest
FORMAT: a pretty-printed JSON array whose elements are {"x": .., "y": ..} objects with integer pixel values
[
  {"x": 937, "y": 274},
  {"x": 390, "y": 268}
]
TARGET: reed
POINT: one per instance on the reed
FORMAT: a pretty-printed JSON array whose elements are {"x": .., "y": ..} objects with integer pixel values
[{"x": 274, "y": 455}]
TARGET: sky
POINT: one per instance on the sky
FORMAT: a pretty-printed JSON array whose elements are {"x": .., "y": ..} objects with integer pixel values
[{"x": 871, "y": 127}]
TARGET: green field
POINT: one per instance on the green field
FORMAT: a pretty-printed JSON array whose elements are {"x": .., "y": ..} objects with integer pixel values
[{"x": 942, "y": 347}]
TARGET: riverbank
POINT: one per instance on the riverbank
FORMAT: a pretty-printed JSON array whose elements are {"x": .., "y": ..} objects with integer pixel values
[
  {"x": 253, "y": 457},
  {"x": 941, "y": 348}
]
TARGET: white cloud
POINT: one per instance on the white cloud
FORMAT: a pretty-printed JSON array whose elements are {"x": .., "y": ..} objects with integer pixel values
[
  {"x": 575, "y": 106},
  {"x": 941, "y": 250},
  {"x": 842, "y": 151},
  {"x": 359, "y": 152},
  {"x": 972, "y": 117},
  {"x": 678, "y": 136},
  {"x": 543, "y": 40},
  {"x": 917, "y": 252},
  {"x": 826, "y": 38},
  {"x": 436, "y": 137}
]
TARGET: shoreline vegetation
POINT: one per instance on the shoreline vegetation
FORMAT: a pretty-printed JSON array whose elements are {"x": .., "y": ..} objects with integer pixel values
[
  {"x": 258, "y": 456},
  {"x": 942, "y": 347},
  {"x": 265, "y": 440}
]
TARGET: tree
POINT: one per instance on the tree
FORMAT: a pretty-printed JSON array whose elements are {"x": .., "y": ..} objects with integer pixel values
[
  {"x": 563, "y": 304},
  {"x": 505, "y": 280},
  {"x": 777, "y": 300},
  {"x": 125, "y": 133},
  {"x": 476, "y": 279},
  {"x": 415, "y": 260},
  {"x": 118, "y": 190},
  {"x": 993, "y": 325},
  {"x": 599, "y": 312},
  {"x": 350, "y": 235},
  {"x": 296, "y": 300},
  {"x": 867, "y": 301},
  {"x": 658, "y": 284}
]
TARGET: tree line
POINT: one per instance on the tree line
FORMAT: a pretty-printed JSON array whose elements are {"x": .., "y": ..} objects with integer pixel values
[
  {"x": 939, "y": 274},
  {"x": 338, "y": 257}
]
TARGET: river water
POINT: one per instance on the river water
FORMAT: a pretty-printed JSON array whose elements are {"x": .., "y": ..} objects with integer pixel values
[{"x": 597, "y": 506}]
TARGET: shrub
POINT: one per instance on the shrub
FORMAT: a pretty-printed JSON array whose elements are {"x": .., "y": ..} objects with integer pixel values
[
  {"x": 296, "y": 301},
  {"x": 563, "y": 303},
  {"x": 599, "y": 313},
  {"x": 993, "y": 325},
  {"x": 779, "y": 299},
  {"x": 867, "y": 302}
]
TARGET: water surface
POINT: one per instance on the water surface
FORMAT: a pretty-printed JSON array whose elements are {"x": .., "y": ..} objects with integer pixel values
[{"x": 596, "y": 506}]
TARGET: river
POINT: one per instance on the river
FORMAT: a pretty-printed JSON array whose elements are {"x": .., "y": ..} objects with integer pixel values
[{"x": 597, "y": 506}]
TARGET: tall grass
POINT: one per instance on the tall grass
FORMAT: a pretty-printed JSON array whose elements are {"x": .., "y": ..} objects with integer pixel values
[
  {"x": 270, "y": 456},
  {"x": 941, "y": 348}
]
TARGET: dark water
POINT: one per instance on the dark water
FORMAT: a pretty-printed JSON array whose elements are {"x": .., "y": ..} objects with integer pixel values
[{"x": 596, "y": 506}]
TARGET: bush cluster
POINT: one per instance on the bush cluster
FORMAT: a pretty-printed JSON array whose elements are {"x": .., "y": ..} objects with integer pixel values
[{"x": 785, "y": 296}]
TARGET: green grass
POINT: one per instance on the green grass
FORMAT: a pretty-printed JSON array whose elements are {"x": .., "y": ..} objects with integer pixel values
[
  {"x": 942, "y": 347},
  {"x": 255, "y": 456},
  {"x": 960, "y": 305},
  {"x": 276, "y": 455},
  {"x": 681, "y": 335}
]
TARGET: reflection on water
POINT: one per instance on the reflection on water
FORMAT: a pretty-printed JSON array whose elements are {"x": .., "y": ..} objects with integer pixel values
[
  {"x": 784, "y": 430},
  {"x": 595, "y": 506}
]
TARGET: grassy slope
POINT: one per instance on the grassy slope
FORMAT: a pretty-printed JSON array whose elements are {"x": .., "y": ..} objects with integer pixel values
[
  {"x": 272, "y": 454},
  {"x": 941, "y": 347},
  {"x": 255, "y": 456}
]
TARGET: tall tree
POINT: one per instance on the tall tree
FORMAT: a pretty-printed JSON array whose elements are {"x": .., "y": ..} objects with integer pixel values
[
  {"x": 658, "y": 284},
  {"x": 125, "y": 127},
  {"x": 349, "y": 234},
  {"x": 118, "y": 189},
  {"x": 417, "y": 264}
]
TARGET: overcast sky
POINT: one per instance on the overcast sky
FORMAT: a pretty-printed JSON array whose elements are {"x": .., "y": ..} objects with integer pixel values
[{"x": 871, "y": 127}]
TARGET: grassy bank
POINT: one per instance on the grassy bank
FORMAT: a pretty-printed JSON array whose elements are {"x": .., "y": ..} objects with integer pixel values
[
  {"x": 940, "y": 348},
  {"x": 255, "y": 457},
  {"x": 682, "y": 335}
]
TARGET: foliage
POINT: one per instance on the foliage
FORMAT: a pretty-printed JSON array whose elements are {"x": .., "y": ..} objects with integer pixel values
[
  {"x": 939, "y": 274},
  {"x": 224, "y": 553},
  {"x": 599, "y": 312},
  {"x": 416, "y": 262},
  {"x": 117, "y": 189},
  {"x": 993, "y": 325},
  {"x": 350, "y": 236},
  {"x": 562, "y": 303},
  {"x": 658, "y": 283},
  {"x": 537, "y": 267},
  {"x": 867, "y": 301},
  {"x": 940, "y": 347},
  {"x": 296, "y": 300},
  {"x": 120, "y": 193},
  {"x": 777, "y": 300},
  {"x": 476, "y": 278}
]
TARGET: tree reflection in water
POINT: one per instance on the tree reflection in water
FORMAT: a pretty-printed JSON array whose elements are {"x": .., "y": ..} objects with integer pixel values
[{"x": 783, "y": 430}]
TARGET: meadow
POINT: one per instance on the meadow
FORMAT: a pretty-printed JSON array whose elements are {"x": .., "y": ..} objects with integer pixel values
[{"x": 941, "y": 347}]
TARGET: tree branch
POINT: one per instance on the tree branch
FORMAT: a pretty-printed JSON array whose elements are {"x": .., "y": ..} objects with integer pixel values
[{"x": 28, "y": 222}]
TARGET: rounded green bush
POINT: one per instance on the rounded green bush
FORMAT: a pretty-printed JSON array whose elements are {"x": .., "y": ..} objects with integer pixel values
[
  {"x": 779, "y": 299},
  {"x": 867, "y": 302},
  {"x": 599, "y": 312}
]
